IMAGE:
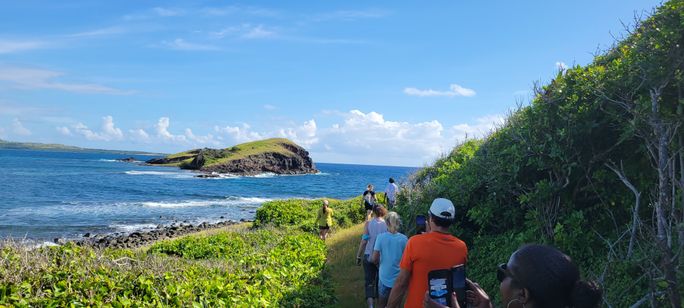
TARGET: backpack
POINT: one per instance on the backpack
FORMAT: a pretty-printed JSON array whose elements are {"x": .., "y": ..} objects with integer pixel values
[{"x": 368, "y": 199}]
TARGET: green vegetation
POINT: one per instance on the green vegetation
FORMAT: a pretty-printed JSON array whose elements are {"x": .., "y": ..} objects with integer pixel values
[
  {"x": 236, "y": 269},
  {"x": 301, "y": 214},
  {"x": 259, "y": 267},
  {"x": 60, "y": 147},
  {"x": 594, "y": 166},
  {"x": 212, "y": 157},
  {"x": 273, "y": 145}
]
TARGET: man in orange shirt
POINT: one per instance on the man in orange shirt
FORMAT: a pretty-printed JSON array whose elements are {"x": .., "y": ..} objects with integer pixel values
[{"x": 437, "y": 249}]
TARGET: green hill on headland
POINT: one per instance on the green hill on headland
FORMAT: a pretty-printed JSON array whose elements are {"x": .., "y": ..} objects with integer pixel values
[
  {"x": 277, "y": 155},
  {"x": 4, "y": 144}
]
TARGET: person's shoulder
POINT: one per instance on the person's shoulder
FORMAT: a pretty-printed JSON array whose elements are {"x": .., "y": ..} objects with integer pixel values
[
  {"x": 457, "y": 241},
  {"x": 418, "y": 238}
]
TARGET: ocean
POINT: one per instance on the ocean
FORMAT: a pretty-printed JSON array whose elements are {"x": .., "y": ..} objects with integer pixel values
[{"x": 46, "y": 195}]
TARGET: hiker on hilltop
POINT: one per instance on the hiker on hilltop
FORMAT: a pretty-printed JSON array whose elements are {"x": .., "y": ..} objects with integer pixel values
[
  {"x": 437, "y": 249},
  {"x": 324, "y": 220},
  {"x": 371, "y": 230},
  {"x": 535, "y": 276},
  {"x": 391, "y": 192},
  {"x": 369, "y": 200}
]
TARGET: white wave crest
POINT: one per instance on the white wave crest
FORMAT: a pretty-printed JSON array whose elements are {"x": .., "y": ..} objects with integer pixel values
[
  {"x": 265, "y": 175},
  {"x": 136, "y": 172},
  {"x": 108, "y": 160},
  {"x": 132, "y": 227},
  {"x": 230, "y": 201}
]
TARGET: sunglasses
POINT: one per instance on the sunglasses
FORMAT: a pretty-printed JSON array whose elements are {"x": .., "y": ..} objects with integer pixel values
[{"x": 502, "y": 272}]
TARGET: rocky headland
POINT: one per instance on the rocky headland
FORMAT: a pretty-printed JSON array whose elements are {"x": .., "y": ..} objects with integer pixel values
[{"x": 276, "y": 155}]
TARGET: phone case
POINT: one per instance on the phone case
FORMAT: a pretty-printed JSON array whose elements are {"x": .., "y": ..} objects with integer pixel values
[{"x": 440, "y": 286}]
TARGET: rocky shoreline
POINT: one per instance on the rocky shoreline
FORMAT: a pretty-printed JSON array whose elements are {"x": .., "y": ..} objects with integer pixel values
[{"x": 145, "y": 237}]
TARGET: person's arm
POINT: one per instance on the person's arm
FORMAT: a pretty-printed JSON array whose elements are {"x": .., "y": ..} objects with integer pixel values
[
  {"x": 376, "y": 257},
  {"x": 362, "y": 245},
  {"x": 399, "y": 289}
]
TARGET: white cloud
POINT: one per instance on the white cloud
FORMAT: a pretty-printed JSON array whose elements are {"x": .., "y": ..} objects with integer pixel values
[
  {"x": 246, "y": 31},
  {"x": 19, "y": 129},
  {"x": 241, "y": 10},
  {"x": 100, "y": 32},
  {"x": 108, "y": 128},
  {"x": 29, "y": 78},
  {"x": 109, "y": 131},
  {"x": 207, "y": 139},
  {"x": 304, "y": 135},
  {"x": 64, "y": 130},
  {"x": 454, "y": 90},
  {"x": 258, "y": 32},
  {"x": 369, "y": 134},
  {"x": 162, "y": 129},
  {"x": 270, "y": 107},
  {"x": 139, "y": 135},
  {"x": 370, "y": 138},
  {"x": 181, "y": 44},
  {"x": 17, "y": 46},
  {"x": 561, "y": 66},
  {"x": 239, "y": 134},
  {"x": 482, "y": 127},
  {"x": 167, "y": 12},
  {"x": 349, "y": 15}
]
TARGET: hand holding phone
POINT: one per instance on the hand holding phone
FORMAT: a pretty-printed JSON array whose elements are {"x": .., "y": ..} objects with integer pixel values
[
  {"x": 358, "y": 260},
  {"x": 458, "y": 283}
]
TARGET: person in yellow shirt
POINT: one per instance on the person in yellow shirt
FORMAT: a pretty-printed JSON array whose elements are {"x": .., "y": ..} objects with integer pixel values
[{"x": 324, "y": 220}]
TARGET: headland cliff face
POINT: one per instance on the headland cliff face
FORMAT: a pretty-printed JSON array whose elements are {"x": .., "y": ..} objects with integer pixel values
[{"x": 277, "y": 155}]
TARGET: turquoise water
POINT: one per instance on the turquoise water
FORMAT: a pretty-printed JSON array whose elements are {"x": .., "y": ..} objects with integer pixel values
[{"x": 45, "y": 194}]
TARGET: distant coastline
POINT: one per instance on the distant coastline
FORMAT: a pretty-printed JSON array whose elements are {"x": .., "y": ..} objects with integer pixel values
[{"x": 11, "y": 145}]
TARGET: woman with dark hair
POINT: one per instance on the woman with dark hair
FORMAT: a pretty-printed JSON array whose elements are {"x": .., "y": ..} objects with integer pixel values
[{"x": 536, "y": 276}]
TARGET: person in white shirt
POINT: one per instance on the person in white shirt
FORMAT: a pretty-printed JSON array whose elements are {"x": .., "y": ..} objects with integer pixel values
[{"x": 391, "y": 194}]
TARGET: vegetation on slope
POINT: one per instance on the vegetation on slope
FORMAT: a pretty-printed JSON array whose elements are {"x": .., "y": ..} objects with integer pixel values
[
  {"x": 222, "y": 156},
  {"x": 260, "y": 267},
  {"x": 594, "y": 166},
  {"x": 60, "y": 147}
]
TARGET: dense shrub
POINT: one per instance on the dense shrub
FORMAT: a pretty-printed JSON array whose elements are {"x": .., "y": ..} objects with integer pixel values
[
  {"x": 235, "y": 269},
  {"x": 301, "y": 213},
  {"x": 545, "y": 176}
]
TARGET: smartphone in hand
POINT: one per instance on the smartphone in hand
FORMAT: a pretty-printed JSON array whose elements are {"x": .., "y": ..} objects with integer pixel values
[
  {"x": 439, "y": 286},
  {"x": 458, "y": 283},
  {"x": 420, "y": 224}
]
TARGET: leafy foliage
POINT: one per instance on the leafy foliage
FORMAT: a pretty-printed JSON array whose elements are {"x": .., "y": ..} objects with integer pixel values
[
  {"x": 542, "y": 177},
  {"x": 250, "y": 269},
  {"x": 301, "y": 213}
]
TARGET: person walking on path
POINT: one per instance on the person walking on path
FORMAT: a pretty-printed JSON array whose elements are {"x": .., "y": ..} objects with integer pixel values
[
  {"x": 369, "y": 201},
  {"x": 434, "y": 250},
  {"x": 371, "y": 230},
  {"x": 324, "y": 220},
  {"x": 391, "y": 192},
  {"x": 387, "y": 252}
]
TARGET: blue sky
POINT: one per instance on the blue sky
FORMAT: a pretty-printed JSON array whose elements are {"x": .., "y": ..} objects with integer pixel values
[{"x": 382, "y": 82}]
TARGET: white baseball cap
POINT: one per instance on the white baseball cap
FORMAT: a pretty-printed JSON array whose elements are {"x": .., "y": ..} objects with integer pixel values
[{"x": 443, "y": 208}]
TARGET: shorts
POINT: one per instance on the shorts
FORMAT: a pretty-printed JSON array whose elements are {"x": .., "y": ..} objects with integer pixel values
[
  {"x": 323, "y": 227},
  {"x": 368, "y": 206},
  {"x": 383, "y": 290}
]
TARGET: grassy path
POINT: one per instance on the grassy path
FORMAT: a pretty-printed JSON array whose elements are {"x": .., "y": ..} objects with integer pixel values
[{"x": 347, "y": 276}]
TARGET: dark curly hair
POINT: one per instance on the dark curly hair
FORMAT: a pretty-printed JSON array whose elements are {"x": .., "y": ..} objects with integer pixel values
[{"x": 553, "y": 279}]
